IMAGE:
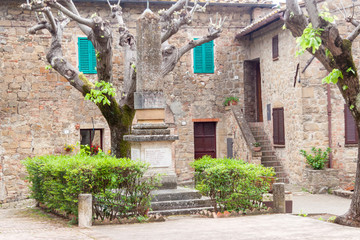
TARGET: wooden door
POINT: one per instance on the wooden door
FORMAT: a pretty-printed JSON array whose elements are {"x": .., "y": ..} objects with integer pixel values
[
  {"x": 259, "y": 109},
  {"x": 205, "y": 139}
]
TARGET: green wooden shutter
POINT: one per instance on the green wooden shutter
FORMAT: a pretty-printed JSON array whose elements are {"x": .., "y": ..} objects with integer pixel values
[
  {"x": 87, "y": 57},
  {"x": 208, "y": 61},
  {"x": 204, "y": 58}
]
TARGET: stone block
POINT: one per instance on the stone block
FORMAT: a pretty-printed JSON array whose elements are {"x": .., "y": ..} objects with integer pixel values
[
  {"x": 85, "y": 210},
  {"x": 308, "y": 92},
  {"x": 317, "y": 180}
]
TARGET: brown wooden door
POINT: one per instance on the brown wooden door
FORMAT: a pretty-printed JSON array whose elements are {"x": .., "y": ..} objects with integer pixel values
[{"x": 205, "y": 139}]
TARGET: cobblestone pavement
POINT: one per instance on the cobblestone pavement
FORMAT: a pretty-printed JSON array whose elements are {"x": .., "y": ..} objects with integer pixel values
[
  {"x": 19, "y": 224},
  {"x": 32, "y": 223}
]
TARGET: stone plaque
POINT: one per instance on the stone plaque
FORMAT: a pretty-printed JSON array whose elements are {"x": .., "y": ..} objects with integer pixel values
[
  {"x": 158, "y": 157},
  {"x": 135, "y": 154}
]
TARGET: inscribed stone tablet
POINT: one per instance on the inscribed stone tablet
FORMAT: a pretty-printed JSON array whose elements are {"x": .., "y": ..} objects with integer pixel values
[{"x": 158, "y": 157}]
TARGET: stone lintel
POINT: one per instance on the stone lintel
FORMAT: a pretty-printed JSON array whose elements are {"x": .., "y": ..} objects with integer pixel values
[
  {"x": 149, "y": 100},
  {"x": 150, "y": 126},
  {"x": 150, "y": 138},
  {"x": 150, "y": 132}
]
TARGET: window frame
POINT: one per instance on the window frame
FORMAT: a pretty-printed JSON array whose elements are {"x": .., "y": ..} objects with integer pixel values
[
  {"x": 278, "y": 126},
  {"x": 275, "y": 47},
  {"x": 88, "y": 67},
  {"x": 206, "y": 52},
  {"x": 95, "y": 129},
  {"x": 349, "y": 122}
]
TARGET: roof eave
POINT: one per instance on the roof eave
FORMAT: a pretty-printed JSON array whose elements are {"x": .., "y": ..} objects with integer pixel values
[{"x": 261, "y": 24}]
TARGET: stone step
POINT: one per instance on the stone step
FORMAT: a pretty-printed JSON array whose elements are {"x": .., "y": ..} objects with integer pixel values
[
  {"x": 181, "y": 204},
  {"x": 269, "y": 158},
  {"x": 271, "y": 163},
  {"x": 260, "y": 137},
  {"x": 280, "y": 175},
  {"x": 277, "y": 169},
  {"x": 267, "y": 153},
  {"x": 283, "y": 180},
  {"x": 256, "y": 124},
  {"x": 180, "y": 193},
  {"x": 181, "y": 211}
]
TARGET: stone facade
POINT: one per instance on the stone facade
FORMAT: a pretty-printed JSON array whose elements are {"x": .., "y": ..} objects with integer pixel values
[
  {"x": 304, "y": 100},
  {"x": 40, "y": 111}
]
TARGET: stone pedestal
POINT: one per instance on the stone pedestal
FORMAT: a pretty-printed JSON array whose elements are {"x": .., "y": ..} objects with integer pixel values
[
  {"x": 150, "y": 139},
  {"x": 155, "y": 148}
]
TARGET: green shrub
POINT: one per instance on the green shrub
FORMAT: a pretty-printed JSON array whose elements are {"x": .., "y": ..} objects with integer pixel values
[
  {"x": 232, "y": 184},
  {"x": 56, "y": 181},
  {"x": 317, "y": 159}
]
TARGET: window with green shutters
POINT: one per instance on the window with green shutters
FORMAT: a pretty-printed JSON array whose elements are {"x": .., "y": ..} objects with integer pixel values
[
  {"x": 87, "y": 56},
  {"x": 204, "y": 58}
]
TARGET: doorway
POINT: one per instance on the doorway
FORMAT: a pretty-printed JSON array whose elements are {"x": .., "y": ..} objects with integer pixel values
[
  {"x": 252, "y": 89},
  {"x": 205, "y": 139}
]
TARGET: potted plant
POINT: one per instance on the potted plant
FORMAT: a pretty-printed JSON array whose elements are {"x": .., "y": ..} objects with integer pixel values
[
  {"x": 319, "y": 179},
  {"x": 317, "y": 159},
  {"x": 231, "y": 101},
  {"x": 257, "y": 147},
  {"x": 69, "y": 148}
]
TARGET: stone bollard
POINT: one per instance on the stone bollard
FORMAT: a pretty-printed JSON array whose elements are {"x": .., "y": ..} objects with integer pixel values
[
  {"x": 279, "y": 198},
  {"x": 85, "y": 210}
]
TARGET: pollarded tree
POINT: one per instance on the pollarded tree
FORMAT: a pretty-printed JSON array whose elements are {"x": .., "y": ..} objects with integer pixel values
[
  {"x": 317, "y": 33},
  {"x": 118, "y": 114}
]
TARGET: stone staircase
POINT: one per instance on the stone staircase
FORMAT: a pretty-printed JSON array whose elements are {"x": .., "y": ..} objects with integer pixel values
[
  {"x": 268, "y": 157},
  {"x": 178, "y": 201}
]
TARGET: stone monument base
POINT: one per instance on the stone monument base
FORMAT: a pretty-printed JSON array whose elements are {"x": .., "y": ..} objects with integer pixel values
[{"x": 152, "y": 143}]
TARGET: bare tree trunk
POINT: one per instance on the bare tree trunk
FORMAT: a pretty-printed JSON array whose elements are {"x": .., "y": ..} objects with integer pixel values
[{"x": 352, "y": 217}]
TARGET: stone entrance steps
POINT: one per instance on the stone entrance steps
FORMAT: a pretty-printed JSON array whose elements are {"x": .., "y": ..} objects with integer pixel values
[
  {"x": 178, "y": 201},
  {"x": 268, "y": 157}
]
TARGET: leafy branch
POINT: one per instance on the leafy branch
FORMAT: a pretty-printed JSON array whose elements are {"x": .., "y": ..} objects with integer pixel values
[
  {"x": 309, "y": 39},
  {"x": 98, "y": 95},
  {"x": 333, "y": 77}
]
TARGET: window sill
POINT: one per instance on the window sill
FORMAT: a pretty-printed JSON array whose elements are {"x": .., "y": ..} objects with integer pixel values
[
  {"x": 275, "y": 59},
  {"x": 351, "y": 145},
  {"x": 279, "y": 146}
]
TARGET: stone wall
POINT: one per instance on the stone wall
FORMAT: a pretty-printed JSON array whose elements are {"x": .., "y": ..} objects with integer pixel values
[
  {"x": 239, "y": 131},
  {"x": 40, "y": 111}
]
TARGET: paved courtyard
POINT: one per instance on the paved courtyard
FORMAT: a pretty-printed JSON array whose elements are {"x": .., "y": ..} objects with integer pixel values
[{"x": 18, "y": 224}]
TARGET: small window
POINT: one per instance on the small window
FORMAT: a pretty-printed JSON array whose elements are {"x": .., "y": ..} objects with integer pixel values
[
  {"x": 275, "y": 47},
  {"x": 204, "y": 58},
  {"x": 351, "y": 134},
  {"x": 278, "y": 126},
  {"x": 91, "y": 137},
  {"x": 87, "y": 57}
]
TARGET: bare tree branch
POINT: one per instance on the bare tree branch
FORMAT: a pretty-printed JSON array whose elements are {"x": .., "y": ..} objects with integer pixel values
[
  {"x": 313, "y": 12},
  {"x": 50, "y": 16},
  {"x": 73, "y": 16},
  {"x": 354, "y": 34},
  {"x": 171, "y": 54},
  {"x": 39, "y": 26},
  {"x": 71, "y": 6}
]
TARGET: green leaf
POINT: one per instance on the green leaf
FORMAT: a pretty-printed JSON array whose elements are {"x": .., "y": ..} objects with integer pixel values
[
  {"x": 351, "y": 107},
  {"x": 333, "y": 77},
  {"x": 345, "y": 87},
  {"x": 350, "y": 70}
]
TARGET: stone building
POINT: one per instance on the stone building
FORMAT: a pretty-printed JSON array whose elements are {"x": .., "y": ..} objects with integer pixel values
[{"x": 40, "y": 111}]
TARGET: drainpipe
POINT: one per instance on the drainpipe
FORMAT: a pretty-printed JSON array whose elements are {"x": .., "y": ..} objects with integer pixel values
[{"x": 329, "y": 122}]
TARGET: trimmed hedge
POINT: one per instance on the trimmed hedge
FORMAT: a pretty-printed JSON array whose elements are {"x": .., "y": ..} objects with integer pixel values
[
  {"x": 115, "y": 184},
  {"x": 232, "y": 184}
]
